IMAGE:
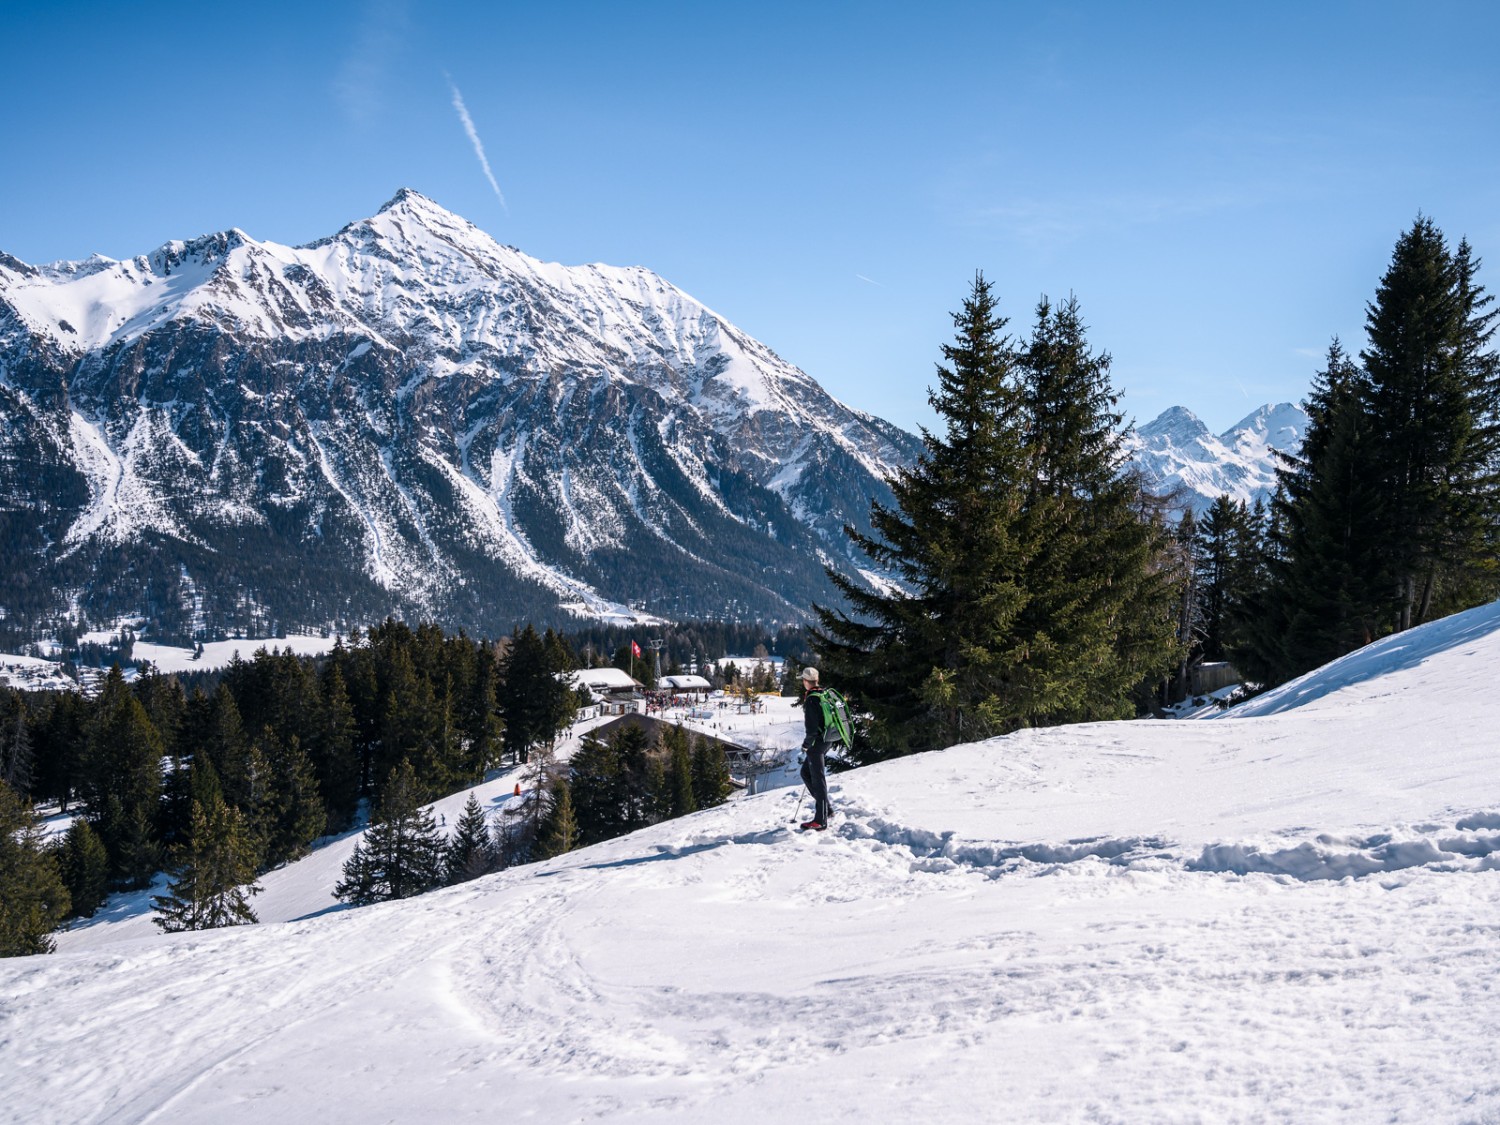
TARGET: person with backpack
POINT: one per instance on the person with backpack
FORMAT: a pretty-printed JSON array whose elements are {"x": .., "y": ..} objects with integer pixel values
[{"x": 820, "y": 734}]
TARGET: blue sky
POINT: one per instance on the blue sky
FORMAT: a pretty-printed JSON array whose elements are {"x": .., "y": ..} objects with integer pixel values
[{"x": 1220, "y": 185}]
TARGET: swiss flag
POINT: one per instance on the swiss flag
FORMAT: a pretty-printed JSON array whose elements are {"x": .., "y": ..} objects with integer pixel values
[{"x": 635, "y": 649}]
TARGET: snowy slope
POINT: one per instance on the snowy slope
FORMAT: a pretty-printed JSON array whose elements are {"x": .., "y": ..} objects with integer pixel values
[{"x": 1283, "y": 916}]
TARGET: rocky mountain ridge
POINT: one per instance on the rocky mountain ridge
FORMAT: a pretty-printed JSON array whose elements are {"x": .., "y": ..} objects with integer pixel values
[
  {"x": 1178, "y": 454},
  {"x": 407, "y": 416}
]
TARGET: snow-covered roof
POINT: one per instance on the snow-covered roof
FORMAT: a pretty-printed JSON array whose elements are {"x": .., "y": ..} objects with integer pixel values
[
  {"x": 686, "y": 683},
  {"x": 604, "y": 679}
]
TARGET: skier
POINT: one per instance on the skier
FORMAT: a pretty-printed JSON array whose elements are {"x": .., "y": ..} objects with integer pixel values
[{"x": 814, "y": 746}]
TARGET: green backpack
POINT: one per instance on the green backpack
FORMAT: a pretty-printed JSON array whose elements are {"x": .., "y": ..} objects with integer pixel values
[{"x": 836, "y": 725}]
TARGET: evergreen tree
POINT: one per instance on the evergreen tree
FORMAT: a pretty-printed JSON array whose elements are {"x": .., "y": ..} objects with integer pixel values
[
  {"x": 470, "y": 852},
  {"x": 1189, "y": 608},
  {"x": 293, "y": 816},
  {"x": 164, "y": 701},
  {"x": 932, "y": 662},
  {"x": 1326, "y": 586},
  {"x": 59, "y": 740},
  {"x": 402, "y": 852},
  {"x": 213, "y": 873},
  {"x": 680, "y": 798},
  {"x": 122, "y": 781},
  {"x": 535, "y": 700},
  {"x": 482, "y": 723},
  {"x": 237, "y": 760},
  {"x": 658, "y": 804},
  {"x": 16, "y": 754},
  {"x": 596, "y": 790},
  {"x": 1224, "y": 548},
  {"x": 1428, "y": 402},
  {"x": 1036, "y": 585},
  {"x": 632, "y": 748},
  {"x": 407, "y": 717},
  {"x": 1097, "y": 620},
  {"x": 710, "y": 773},
  {"x": 84, "y": 866},
  {"x": 33, "y": 899},
  {"x": 560, "y": 833},
  {"x": 336, "y": 759}
]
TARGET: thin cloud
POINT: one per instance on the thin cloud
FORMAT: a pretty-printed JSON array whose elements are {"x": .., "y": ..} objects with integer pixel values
[
  {"x": 869, "y": 280},
  {"x": 360, "y": 83},
  {"x": 468, "y": 124}
]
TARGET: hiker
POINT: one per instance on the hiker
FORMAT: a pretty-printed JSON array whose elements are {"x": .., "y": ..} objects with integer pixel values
[{"x": 814, "y": 746}]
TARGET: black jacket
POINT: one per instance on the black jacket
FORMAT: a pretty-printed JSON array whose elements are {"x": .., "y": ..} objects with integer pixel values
[{"x": 812, "y": 713}]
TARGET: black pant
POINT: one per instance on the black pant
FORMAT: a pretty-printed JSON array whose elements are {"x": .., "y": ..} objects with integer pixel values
[{"x": 816, "y": 778}]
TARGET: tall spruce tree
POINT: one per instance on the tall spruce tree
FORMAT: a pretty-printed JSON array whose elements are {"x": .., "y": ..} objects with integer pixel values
[
  {"x": 335, "y": 757},
  {"x": 1099, "y": 583},
  {"x": 596, "y": 789},
  {"x": 122, "y": 781},
  {"x": 33, "y": 899},
  {"x": 1224, "y": 547},
  {"x": 470, "y": 852},
  {"x": 293, "y": 815},
  {"x": 1333, "y": 578},
  {"x": 535, "y": 700},
  {"x": 1034, "y": 581},
  {"x": 680, "y": 798},
  {"x": 402, "y": 852},
  {"x": 213, "y": 873},
  {"x": 711, "y": 785},
  {"x": 933, "y": 662},
  {"x": 1428, "y": 400},
  {"x": 59, "y": 740},
  {"x": 84, "y": 865},
  {"x": 16, "y": 754},
  {"x": 560, "y": 832}
]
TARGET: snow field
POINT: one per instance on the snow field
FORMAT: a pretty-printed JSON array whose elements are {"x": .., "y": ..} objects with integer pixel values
[{"x": 1059, "y": 926}]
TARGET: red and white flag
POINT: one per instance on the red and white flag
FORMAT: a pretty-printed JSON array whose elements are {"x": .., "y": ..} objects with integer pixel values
[{"x": 635, "y": 649}]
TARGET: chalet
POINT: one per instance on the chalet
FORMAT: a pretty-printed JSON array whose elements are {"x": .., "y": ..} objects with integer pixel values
[{"x": 615, "y": 692}]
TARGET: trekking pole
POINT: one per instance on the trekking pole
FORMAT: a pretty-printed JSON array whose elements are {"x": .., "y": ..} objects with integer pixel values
[{"x": 797, "y": 814}]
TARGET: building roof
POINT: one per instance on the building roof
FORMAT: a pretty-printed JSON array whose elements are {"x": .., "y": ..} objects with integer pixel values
[
  {"x": 686, "y": 683},
  {"x": 603, "y": 679}
]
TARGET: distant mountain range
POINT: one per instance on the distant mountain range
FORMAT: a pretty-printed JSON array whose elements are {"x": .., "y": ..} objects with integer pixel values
[
  {"x": 408, "y": 417},
  {"x": 1177, "y": 453}
]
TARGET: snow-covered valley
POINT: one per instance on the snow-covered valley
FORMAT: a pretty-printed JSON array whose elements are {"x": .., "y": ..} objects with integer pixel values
[{"x": 1286, "y": 913}]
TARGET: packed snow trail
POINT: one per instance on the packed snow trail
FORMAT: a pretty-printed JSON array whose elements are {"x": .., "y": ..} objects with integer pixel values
[{"x": 1030, "y": 929}]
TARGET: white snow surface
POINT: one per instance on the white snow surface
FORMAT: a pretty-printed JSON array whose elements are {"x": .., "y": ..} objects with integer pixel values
[
  {"x": 219, "y": 654},
  {"x": 1289, "y": 913}
]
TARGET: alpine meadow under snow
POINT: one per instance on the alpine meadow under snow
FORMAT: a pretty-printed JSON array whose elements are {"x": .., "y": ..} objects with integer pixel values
[{"x": 1288, "y": 912}]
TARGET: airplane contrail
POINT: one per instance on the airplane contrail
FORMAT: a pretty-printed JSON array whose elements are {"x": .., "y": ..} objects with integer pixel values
[{"x": 468, "y": 124}]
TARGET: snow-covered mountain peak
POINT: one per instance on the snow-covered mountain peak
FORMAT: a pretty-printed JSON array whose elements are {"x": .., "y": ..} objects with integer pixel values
[
  {"x": 1176, "y": 451},
  {"x": 440, "y": 405},
  {"x": 1177, "y": 424},
  {"x": 1270, "y": 429}
]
